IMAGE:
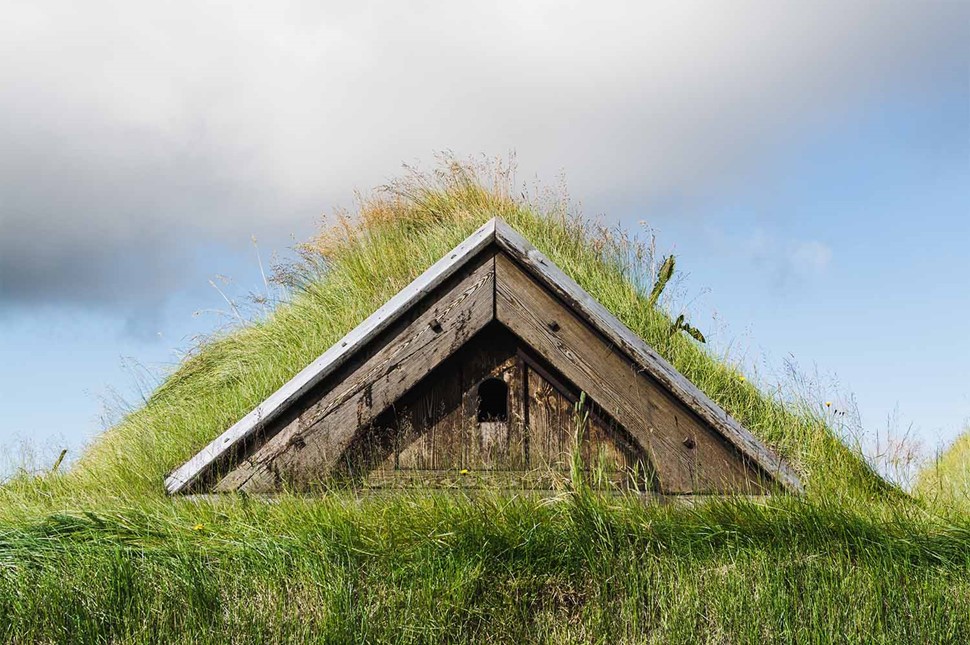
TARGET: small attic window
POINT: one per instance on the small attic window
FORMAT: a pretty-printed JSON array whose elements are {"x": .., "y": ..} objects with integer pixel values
[{"x": 493, "y": 400}]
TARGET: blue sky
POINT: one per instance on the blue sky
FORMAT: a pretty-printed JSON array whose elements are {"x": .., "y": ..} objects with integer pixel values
[{"x": 808, "y": 163}]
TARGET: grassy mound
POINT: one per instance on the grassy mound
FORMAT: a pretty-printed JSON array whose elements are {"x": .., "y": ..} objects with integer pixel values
[
  {"x": 352, "y": 268},
  {"x": 99, "y": 552},
  {"x": 945, "y": 482}
]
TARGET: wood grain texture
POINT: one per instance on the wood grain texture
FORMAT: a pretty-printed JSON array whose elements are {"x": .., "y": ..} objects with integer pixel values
[
  {"x": 307, "y": 449},
  {"x": 593, "y": 313},
  {"x": 688, "y": 457},
  {"x": 183, "y": 477},
  {"x": 608, "y": 445},
  {"x": 350, "y": 409},
  {"x": 439, "y": 437}
]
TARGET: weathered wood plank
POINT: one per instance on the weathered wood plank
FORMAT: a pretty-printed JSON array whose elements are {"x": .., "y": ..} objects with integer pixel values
[
  {"x": 552, "y": 426},
  {"x": 435, "y": 414},
  {"x": 491, "y": 478},
  {"x": 671, "y": 436},
  {"x": 602, "y": 430},
  {"x": 182, "y": 478},
  {"x": 346, "y": 355},
  {"x": 591, "y": 311},
  {"x": 545, "y": 424},
  {"x": 307, "y": 448},
  {"x": 486, "y": 444},
  {"x": 516, "y": 448}
]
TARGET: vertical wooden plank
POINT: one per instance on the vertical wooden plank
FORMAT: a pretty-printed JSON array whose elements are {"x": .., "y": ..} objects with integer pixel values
[
  {"x": 448, "y": 424},
  {"x": 517, "y": 396},
  {"x": 602, "y": 455},
  {"x": 546, "y": 441},
  {"x": 536, "y": 421},
  {"x": 527, "y": 416},
  {"x": 471, "y": 458},
  {"x": 432, "y": 413}
]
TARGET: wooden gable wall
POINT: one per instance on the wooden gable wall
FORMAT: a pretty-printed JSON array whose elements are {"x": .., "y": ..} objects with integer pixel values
[
  {"x": 688, "y": 455},
  {"x": 306, "y": 444},
  {"x": 403, "y": 411},
  {"x": 437, "y": 435}
]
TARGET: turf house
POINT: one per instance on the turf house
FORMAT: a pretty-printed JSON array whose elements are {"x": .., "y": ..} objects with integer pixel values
[
  {"x": 463, "y": 414},
  {"x": 478, "y": 372}
]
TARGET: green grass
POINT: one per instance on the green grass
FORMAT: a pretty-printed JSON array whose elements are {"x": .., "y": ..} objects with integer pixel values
[
  {"x": 432, "y": 569},
  {"x": 945, "y": 481},
  {"x": 98, "y": 553}
]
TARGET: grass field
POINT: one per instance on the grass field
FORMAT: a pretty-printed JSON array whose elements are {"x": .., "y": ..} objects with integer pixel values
[{"x": 98, "y": 553}]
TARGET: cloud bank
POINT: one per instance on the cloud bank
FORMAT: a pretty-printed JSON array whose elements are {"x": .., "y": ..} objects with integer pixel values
[{"x": 136, "y": 135}]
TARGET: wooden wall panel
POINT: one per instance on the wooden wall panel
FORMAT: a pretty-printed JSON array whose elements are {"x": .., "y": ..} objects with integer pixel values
[
  {"x": 415, "y": 400},
  {"x": 552, "y": 425},
  {"x": 549, "y": 417},
  {"x": 307, "y": 449},
  {"x": 440, "y": 441},
  {"x": 487, "y": 445},
  {"x": 688, "y": 456}
]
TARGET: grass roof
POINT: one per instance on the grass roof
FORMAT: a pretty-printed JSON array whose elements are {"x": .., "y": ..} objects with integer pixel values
[
  {"x": 100, "y": 553},
  {"x": 357, "y": 263}
]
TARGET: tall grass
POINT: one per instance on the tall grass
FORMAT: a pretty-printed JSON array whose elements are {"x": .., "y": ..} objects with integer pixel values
[
  {"x": 944, "y": 482},
  {"x": 490, "y": 569},
  {"x": 99, "y": 553},
  {"x": 357, "y": 263}
]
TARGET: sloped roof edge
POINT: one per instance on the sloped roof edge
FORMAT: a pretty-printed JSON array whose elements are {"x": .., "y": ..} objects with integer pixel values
[
  {"x": 264, "y": 413},
  {"x": 509, "y": 240},
  {"x": 641, "y": 353}
]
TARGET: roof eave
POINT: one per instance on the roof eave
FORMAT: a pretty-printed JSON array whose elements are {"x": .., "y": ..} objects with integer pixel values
[
  {"x": 183, "y": 477},
  {"x": 533, "y": 260},
  {"x": 539, "y": 266}
]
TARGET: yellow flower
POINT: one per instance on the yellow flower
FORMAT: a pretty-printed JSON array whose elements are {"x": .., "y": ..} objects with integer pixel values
[
  {"x": 463, "y": 471},
  {"x": 828, "y": 404},
  {"x": 198, "y": 527},
  {"x": 742, "y": 379}
]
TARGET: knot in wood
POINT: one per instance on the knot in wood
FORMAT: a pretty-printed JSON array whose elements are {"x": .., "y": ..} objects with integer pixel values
[
  {"x": 553, "y": 326},
  {"x": 689, "y": 443}
]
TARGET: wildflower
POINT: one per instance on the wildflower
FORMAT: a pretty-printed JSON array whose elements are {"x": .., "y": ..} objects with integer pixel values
[
  {"x": 828, "y": 404},
  {"x": 198, "y": 527},
  {"x": 742, "y": 379},
  {"x": 463, "y": 471}
]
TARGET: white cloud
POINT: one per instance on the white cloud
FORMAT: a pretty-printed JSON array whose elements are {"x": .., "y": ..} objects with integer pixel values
[{"x": 133, "y": 131}]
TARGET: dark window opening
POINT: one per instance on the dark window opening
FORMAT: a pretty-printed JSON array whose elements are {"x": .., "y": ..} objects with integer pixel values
[{"x": 493, "y": 400}]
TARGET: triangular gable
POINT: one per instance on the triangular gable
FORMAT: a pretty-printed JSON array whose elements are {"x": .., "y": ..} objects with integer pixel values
[{"x": 494, "y": 276}]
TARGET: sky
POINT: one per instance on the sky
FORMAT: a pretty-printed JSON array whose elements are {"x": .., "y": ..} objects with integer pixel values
[{"x": 808, "y": 162}]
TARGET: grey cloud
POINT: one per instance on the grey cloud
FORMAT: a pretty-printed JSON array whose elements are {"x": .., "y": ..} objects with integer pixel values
[{"x": 135, "y": 134}]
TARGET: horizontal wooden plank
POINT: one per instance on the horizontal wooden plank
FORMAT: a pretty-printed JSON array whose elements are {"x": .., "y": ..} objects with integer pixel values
[
  {"x": 266, "y": 412},
  {"x": 534, "y": 479}
]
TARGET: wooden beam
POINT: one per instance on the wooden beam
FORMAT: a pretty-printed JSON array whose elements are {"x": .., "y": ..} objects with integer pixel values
[
  {"x": 688, "y": 456},
  {"x": 279, "y": 407},
  {"x": 182, "y": 478},
  {"x": 593, "y": 313},
  {"x": 308, "y": 448}
]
